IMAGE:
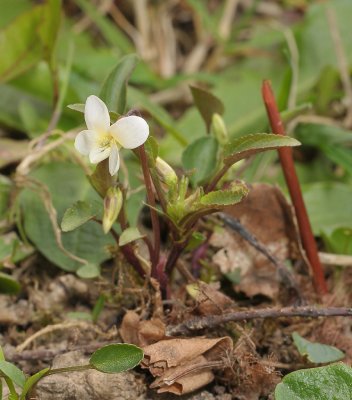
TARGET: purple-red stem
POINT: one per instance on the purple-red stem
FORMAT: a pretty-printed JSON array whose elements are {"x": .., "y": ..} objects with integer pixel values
[
  {"x": 287, "y": 163},
  {"x": 153, "y": 214}
]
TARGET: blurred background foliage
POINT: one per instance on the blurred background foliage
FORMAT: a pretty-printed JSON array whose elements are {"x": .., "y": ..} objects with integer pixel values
[{"x": 57, "y": 53}]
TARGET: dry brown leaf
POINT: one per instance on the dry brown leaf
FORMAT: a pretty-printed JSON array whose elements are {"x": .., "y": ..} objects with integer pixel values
[
  {"x": 184, "y": 365},
  {"x": 266, "y": 214},
  {"x": 211, "y": 300},
  {"x": 141, "y": 333}
]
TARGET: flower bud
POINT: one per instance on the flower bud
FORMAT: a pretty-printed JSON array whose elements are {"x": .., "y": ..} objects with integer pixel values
[
  {"x": 165, "y": 173},
  {"x": 219, "y": 129},
  {"x": 112, "y": 206}
]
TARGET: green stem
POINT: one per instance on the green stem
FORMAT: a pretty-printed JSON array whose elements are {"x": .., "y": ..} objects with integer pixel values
[
  {"x": 68, "y": 369},
  {"x": 217, "y": 177},
  {"x": 11, "y": 387}
]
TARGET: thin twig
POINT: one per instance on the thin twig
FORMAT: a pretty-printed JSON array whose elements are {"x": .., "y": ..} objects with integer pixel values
[
  {"x": 342, "y": 260},
  {"x": 286, "y": 160},
  {"x": 213, "y": 321}
]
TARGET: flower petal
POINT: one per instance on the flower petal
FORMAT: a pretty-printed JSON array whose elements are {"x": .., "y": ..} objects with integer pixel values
[
  {"x": 99, "y": 154},
  {"x": 96, "y": 114},
  {"x": 130, "y": 132},
  {"x": 85, "y": 141},
  {"x": 114, "y": 160}
]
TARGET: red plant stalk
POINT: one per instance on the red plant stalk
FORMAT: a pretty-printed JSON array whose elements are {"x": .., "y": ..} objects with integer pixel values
[{"x": 287, "y": 163}]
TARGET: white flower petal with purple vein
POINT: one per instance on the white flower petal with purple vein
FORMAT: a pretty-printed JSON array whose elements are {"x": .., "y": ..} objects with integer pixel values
[
  {"x": 85, "y": 141},
  {"x": 130, "y": 132},
  {"x": 114, "y": 160},
  {"x": 96, "y": 114},
  {"x": 99, "y": 154}
]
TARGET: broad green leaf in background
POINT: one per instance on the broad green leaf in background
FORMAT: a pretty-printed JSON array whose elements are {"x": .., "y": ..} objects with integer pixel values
[
  {"x": 28, "y": 39},
  {"x": 333, "y": 382},
  {"x": 12, "y": 372},
  {"x": 113, "y": 91},
  {"x": 340, "y": 241},
  {"x": 317, "y": 352},
  {"x": 31, "y": 381},
  {"x": 333, "y": 142},
  {"x": 129, "y": 235},
  {"x": 329, "y": 205},
  {"x": 245, "y": 146},
  {"x": 66, "y": 183},
  {"x": 80, "y": 213},
  {"x": 5, "y": 190},
  {"x": 207, "y": 104},
  {"x": 201, "y": 156},
  {"x": 115, "y": 358}
]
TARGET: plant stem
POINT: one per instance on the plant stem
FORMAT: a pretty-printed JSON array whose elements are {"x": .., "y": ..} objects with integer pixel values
[
  {"x": 217, "y": 177},
  {"x": 287, "y": 163},
  {"x": 213, "y": 321},
  {"x": 69, "y": 369},
  {"x": 153, "y": 213}
]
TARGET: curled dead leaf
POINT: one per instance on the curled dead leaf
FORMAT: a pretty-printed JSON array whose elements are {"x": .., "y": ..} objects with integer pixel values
[
  {"x": 141, "y": 333},
  {"x": 184, "y": 365}
]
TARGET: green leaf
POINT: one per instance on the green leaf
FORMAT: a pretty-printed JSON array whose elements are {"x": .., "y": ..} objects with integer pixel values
[
  {"x": 8, "y": 285},
  {"x": 245, "y": 146},
  {"x": 88, "y": 271},
  {"x": 66, "y": 184},
  {"x": 201, "y": 155},
  {"x": 340, "y": 241},
  {"x": 114, "y": 89},
  {"x": 2, "y": 357},
  {"x": 28, "y": 39},
  {"x": 115, "y": 358},
  {"x": 207, "y": 104},
  {"x": 31, "y": 381},
  {"x": 12, "y": 372},
  {"x": 316, "y": 352},
  {"x": 5, "y": 191},
  {"x": 98, "y": 307},
  {"x": 130, "y": 235},
  {"x": 333, "y": 382},
  {"x": 220, "y": 198},
  {"x": 78, "y": 214}
]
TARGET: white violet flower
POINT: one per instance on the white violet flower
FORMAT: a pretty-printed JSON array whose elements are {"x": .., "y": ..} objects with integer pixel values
[{"x": 101, "y": 140}]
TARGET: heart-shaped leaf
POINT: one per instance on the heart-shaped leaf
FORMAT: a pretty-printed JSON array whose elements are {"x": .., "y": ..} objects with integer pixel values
[
  {"x": 245, "y": 146},
  {"x": 115, "y": 358},
  {"x": 333, "y": 382},
  {"x": 78, "y": 214},
  {"x": 129, "y": 235},
  {"x": 316, "y": 352}
]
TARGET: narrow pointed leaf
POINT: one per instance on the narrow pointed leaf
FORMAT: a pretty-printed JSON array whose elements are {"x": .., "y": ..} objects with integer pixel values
[
  {"x": 207, "y": 104},
  {"x": 115, "y": 358},
  {"x": 8, "y": 285},
  {"x": 221, "y": 198},
  {"x": 317, "y": 352},
  {"x": 114, "y": 89},
  {"x": 333, "y": 382},
  {"x": 12, "y": 372},
  {"x": 246, "y": 146},
  {"x": 31, "y": 381}
]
